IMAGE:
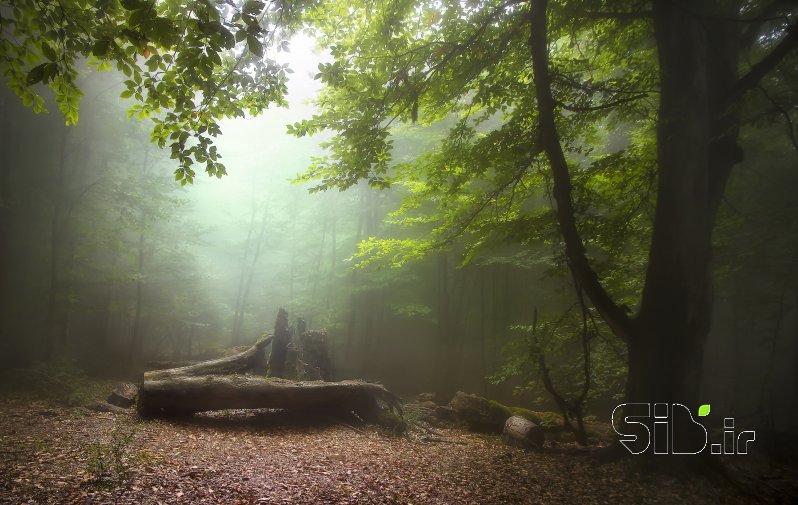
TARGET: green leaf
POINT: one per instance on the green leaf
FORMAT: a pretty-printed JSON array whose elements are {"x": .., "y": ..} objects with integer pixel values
[
  {"x": 703, "y": 410},
  {"x": 100, "y": 47},
  {"x": 49, "y": 52},
  {"x": 36, "y": 74},
  {"x": 254, "y": 45},
  {"x": 133, "y": 5},
  {"x": 253, "y": 7}
]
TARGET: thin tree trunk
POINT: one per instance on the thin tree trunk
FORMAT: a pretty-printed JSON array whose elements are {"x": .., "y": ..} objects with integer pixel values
[
  {"x": 333, "y": 246},
  {"x": 56, "y": 239},
  {"x": 251, "y": 274},
  {"x": 5, "y": 203},
  {"x": 135, "y": 338},
  {"x": 239, "y": 294},
  {"x": 443, "y": 347}
]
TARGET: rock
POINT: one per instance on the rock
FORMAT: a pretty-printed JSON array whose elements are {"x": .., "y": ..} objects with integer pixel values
[
  {"x": 124, "y": 395},
  {"x": 426, "y": 397},
  {"x": 524, "y": 432},
  {"x": 438, "y": 415},
  {"x": 444, "y": 413},
  {"x": 479, "y": 414}
]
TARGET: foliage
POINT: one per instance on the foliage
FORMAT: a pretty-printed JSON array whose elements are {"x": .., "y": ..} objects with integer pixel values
[
  {"x": 187, "y": 63},
  {"x": 458, "y": 79},
  {"x": 110, "y": 462}
]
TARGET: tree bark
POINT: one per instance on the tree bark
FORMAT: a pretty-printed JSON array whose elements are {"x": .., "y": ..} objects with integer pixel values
[
  {"x": 253, "y": 360},
  {"x": 282, "y": 336},
  {"x": 186, "y": 395}
]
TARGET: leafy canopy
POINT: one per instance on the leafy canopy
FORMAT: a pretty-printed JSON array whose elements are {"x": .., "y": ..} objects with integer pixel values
[
  {"x": 187, "y": 63},
  {"x": 461, "y": 73}
]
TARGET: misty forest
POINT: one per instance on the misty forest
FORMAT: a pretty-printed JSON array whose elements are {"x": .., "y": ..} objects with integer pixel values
[{"x": 399, "y": 252}]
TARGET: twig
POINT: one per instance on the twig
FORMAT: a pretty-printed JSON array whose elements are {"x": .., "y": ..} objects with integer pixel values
[
  {"x": 428, "y": 430},
  {"x": 341, "y": 423},
  {"x": 442, "y": 440}
]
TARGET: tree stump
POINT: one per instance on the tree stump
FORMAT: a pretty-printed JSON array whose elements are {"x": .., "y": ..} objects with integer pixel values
[
  {"x": 282, "y": 337},
  {"x": 124, "y": 395}
]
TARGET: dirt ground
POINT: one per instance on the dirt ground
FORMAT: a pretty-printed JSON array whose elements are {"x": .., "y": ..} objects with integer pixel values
[{"x": 55, "y": 454}]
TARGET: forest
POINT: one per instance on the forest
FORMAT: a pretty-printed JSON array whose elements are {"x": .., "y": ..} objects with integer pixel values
[{"x": 399, "y": 252}]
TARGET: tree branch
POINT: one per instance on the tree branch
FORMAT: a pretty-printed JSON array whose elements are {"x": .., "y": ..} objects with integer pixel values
[
  {"x": 615, "y": 317},
  {"x": 767, "y": 13},
  {"x": 785, "y": 114},
  {"x": 618, "y": 15},
  {"x": 603, "y": 106},
  {"x": 765, "y": 65}
]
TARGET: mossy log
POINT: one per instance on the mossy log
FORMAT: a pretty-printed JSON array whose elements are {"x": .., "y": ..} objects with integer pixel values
[
  {"x": 181, "y": 395},
  {"x": 479, "y": 414},
  {"x": 253, "y": 360}
]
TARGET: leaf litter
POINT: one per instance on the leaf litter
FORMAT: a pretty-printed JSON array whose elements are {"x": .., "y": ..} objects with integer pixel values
[{"x": 254, "y": 457}]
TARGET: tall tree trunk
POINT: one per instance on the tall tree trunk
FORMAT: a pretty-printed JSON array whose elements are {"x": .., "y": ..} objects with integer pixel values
[
  {"x": 443, "y": 352},
  {"x": 241, "y": 280},
  {"x": 56, "y": 240},
  {"x": 5, "y": 203},
  {"x": 244, "y": 297},
  {"x": 354, "y": 283},
  {"x": 333, "y": 246},
  {"x": 135, "y": 337},
  {"x": 696, "y": 149}
]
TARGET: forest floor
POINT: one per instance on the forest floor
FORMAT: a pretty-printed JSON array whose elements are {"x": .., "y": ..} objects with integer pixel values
[{"x": 57, "y": 454}]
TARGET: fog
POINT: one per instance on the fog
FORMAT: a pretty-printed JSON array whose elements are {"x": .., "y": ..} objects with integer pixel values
[{"x": 111, "y": 266}]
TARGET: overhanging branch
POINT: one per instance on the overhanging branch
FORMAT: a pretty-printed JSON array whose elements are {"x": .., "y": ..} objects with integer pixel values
[{"x": 757, "y": 72}]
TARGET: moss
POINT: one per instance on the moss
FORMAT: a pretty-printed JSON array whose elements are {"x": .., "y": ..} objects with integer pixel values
[
  {"x": 498, "y": 407},
  {"x": 391, "y": 421},
  {"x": 544, "y": 419}
]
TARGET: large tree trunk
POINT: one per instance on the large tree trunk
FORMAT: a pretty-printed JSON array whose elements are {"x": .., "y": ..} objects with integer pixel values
[
  {"x": 186, "y": 395},
  {"x": 696, "y": 150},
  {"x": 253, "y": 360}
]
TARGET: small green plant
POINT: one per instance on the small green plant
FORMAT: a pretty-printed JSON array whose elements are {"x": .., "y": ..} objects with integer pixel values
[{"x": 110, "y": 462}]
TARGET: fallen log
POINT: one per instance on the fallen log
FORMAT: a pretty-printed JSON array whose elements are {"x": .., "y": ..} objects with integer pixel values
[
  {"x": 183, "y": 394},
  {"x": 479, "y": 414},
  {"x": 253, "y": 360}
]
